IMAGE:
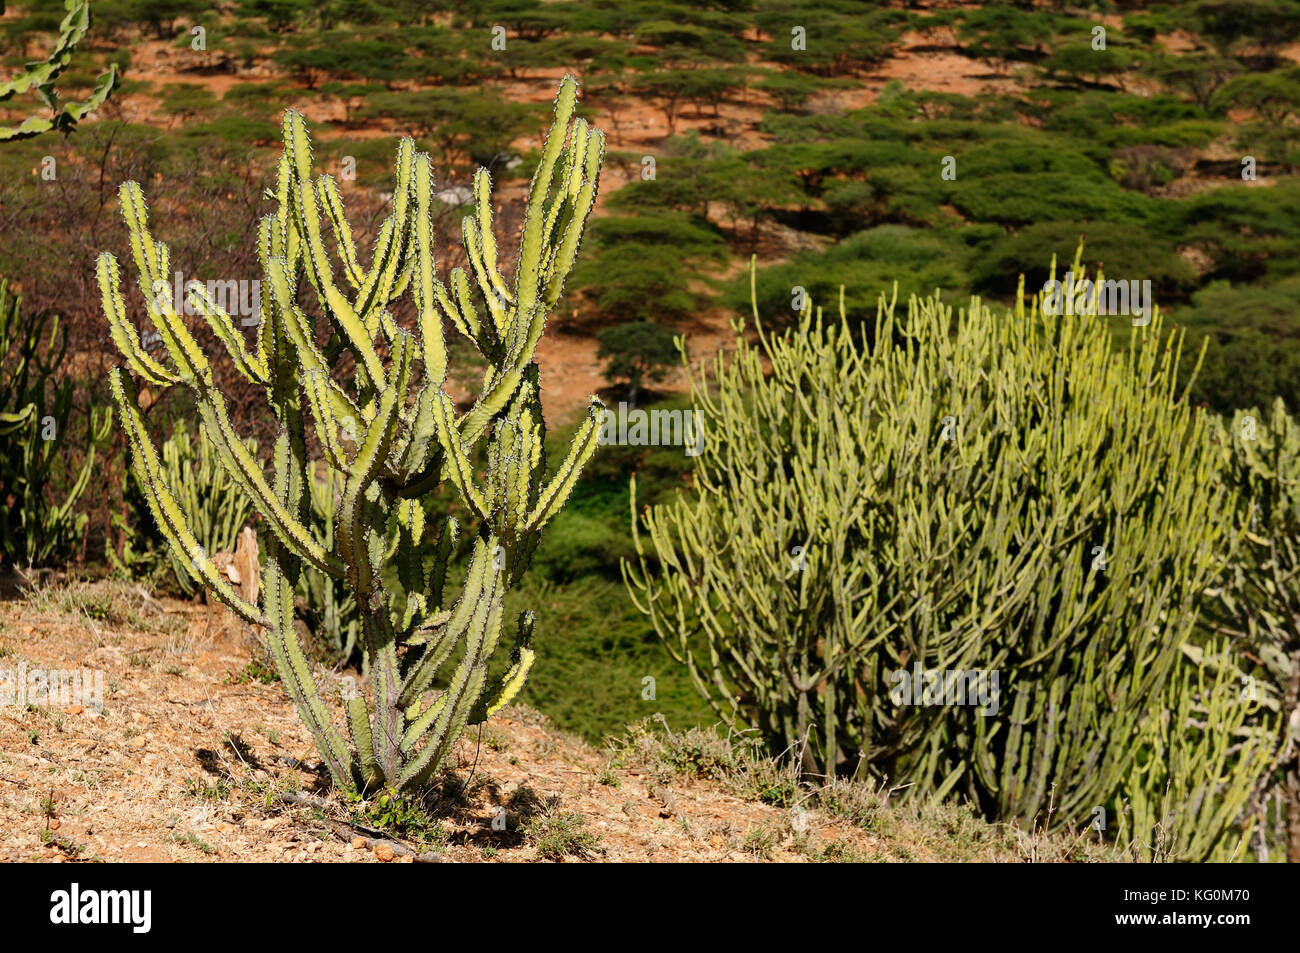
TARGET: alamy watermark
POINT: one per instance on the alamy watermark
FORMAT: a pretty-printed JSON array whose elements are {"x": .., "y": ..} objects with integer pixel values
[
  {"x": 654, "y": 428},
  {"x": 945, "y": 687},
  {"x": 133, "y": 908},
  {"x": 1109, "y": 296},
  {"x": 55, "y": 687}
]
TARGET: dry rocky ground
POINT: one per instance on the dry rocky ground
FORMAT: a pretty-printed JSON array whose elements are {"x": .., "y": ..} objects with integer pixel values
[{"x": 198, "y": 755}]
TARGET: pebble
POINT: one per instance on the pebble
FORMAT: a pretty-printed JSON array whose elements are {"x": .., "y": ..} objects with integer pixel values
[{"x": 384, "y": 853}]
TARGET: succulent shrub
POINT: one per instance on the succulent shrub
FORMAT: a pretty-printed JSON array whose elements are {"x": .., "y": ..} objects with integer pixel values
[
  {"x": 388, "y": 428},
  {"x": 990, "y": 493},
  {"x": 1257, "y": 598}
]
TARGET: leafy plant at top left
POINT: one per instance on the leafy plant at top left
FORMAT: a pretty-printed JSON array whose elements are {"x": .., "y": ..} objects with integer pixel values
[{"x": 40, "y": 76}]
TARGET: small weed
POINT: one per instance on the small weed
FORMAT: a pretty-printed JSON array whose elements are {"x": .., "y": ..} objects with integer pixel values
[
  {"x": 760, "y": 842},
  {"x": 99, "y": 606},
  {"x": 560, "y": 834},
  {"x": 270, "y": 734},
  {"x": 254, "y": 671},
  {"x": 199, "y": 789},
  {"x": 71, "y": 848},
  {"x": 609, "y": 779},
  {"x": 838, "y": 852},
  {"x": 192, "y": 839}
]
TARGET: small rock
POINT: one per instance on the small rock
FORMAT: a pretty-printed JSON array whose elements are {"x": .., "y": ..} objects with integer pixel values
[
  {"x": 358, "y": 843},
  {"x": 384, "y": 853},
  {"x": 55, "y": 824},
  {"x": 74, "y": 710}
]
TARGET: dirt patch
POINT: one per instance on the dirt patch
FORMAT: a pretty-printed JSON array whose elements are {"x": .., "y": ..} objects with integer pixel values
[{"x": 192, "y": 754}]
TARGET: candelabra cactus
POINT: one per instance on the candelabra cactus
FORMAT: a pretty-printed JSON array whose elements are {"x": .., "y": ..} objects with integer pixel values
[
  {"x": 41, "y": 76},
  {"x": 388, "y": 429}
]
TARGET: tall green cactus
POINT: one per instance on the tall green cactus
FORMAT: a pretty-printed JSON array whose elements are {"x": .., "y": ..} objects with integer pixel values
[
  {"x": 40, "y": 77},
  {"x": 388, "y": 428},
  {"x": 968, "y": 492},
  {"x": 35, "y": 409}
]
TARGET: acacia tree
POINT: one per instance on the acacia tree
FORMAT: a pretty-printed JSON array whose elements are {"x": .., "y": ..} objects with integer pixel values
[
  {"x": 637, "y": 351},
  {"x": 1200, "y": 75}
]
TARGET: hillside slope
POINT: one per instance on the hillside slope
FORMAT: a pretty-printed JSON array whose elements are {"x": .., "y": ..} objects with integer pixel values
[{"x": 195, "y": 758}]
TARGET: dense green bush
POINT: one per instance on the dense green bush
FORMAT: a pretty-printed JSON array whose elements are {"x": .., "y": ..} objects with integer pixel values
[
  {"x": 601, "y": 652},
  {"x": 641, "y": 267},
  {"x": 1026, "y": 198},
  {"x": 862, "y": 265},
  {"x": 1248, "y": 233},
  {"x": 1125, "y": 251},
  {"x": 1254, "y": 350},
  {"x": 638, "y": 352}
]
